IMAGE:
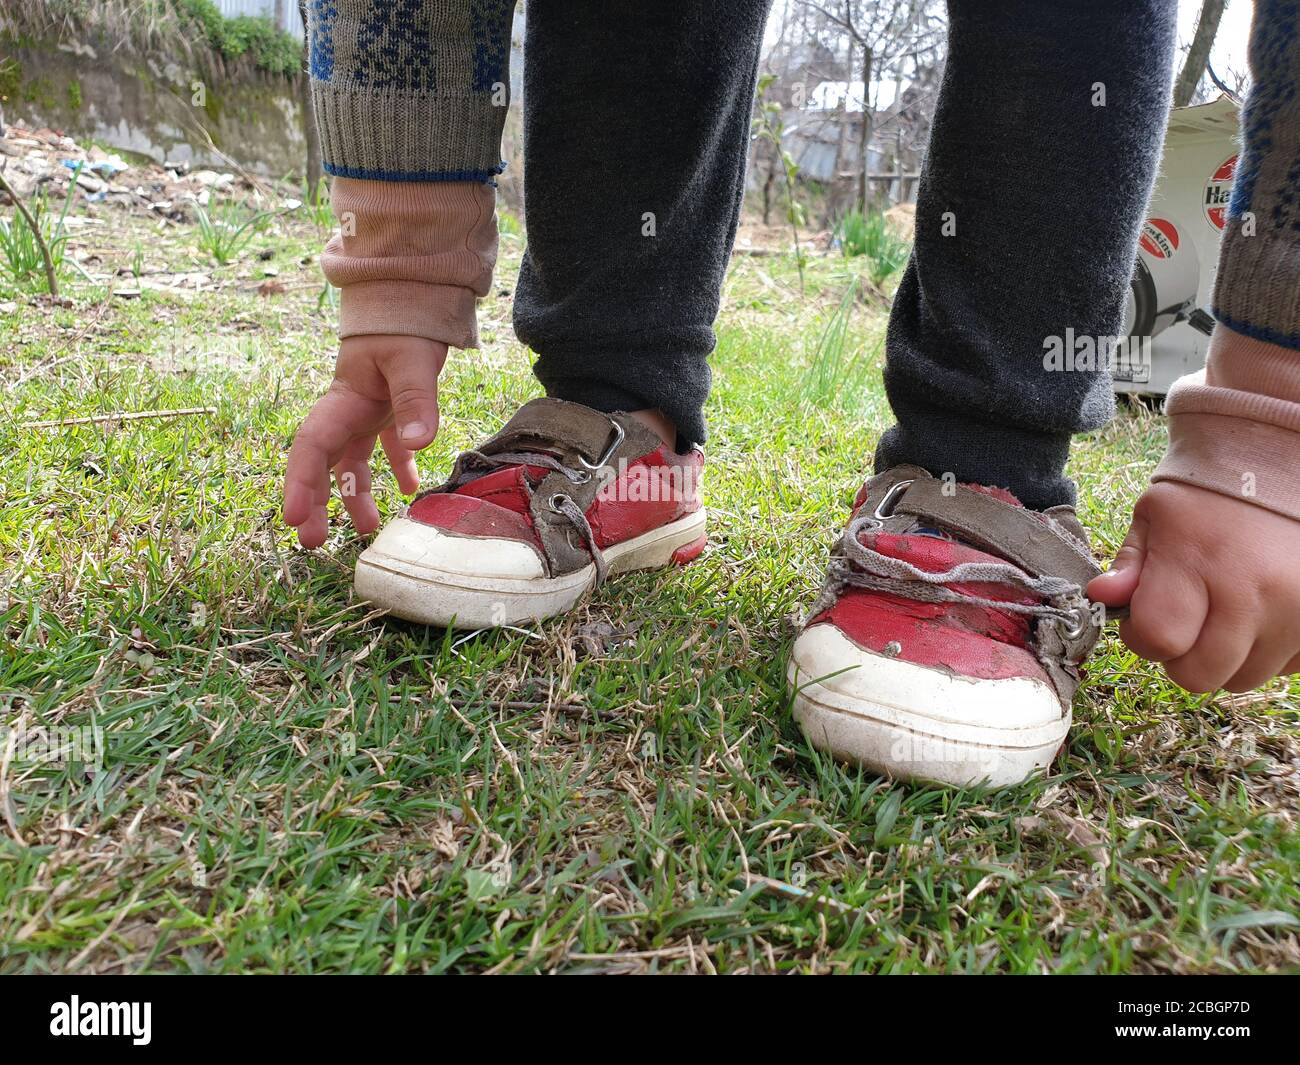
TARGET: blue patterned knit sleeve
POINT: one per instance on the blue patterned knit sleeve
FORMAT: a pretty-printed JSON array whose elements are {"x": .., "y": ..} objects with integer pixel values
[
  {"x": 1257, "y": 291},
  {"x": 410, "y": 90}
]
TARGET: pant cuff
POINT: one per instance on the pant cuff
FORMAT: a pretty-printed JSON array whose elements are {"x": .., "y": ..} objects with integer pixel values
[
  {"x": 677, "y": 387},
  {"x": 1028, "y": 464}
]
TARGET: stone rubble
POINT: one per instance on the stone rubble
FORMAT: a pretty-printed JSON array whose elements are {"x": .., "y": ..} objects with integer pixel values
[{"x": 45, "y": 161}]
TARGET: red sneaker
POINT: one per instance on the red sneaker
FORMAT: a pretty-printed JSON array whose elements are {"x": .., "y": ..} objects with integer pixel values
[
  {"x": 948, "y": 639},
  {"x": 558, "y": 500}
]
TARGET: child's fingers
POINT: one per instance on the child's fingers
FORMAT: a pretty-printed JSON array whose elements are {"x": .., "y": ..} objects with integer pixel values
[
  {"x": 1220, "y": 650},
  {"x": 314, "y": 528},
  {"x": 1116, "y": 586},
  {"x": 413, "y": 391},
  {"x": 401, "y": 460},
  {"x": 1269, "y": 659},
  {"x": 335, "y": 419},
  {"x": 307, "y": 482},
  {"x": 305, "y": 500},
  {"x": 352, "y": 472},
  {"x": 1166, "y": 611}
]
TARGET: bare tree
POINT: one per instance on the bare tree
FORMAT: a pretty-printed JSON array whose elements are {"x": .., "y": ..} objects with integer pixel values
[
  {"x": 864, "y": 133},
  {"x": 1235, "y": 81},
  {"x": 1198, "y": 55},
  {"x": 890, "y": 34}
]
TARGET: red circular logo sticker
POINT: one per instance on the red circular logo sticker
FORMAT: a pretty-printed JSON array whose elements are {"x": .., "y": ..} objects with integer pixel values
[
  {"x": 1159, "y": 238},
  {"x": 1218, "y": 191}
]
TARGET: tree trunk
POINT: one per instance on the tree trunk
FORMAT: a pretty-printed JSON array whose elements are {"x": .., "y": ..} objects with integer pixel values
[
  {"x": 1199, "y": 53},
  {"x": 898, "y": 169},
  {"x": 867, "y": 57},
  {"x": 837, "y": 197},
  {"x": 309, "y": 130}
]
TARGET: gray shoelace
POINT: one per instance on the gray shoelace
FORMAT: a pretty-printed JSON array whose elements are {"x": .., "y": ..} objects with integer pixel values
[
  {"x": 864, "y": 567},
  {"x": 562, "y": 504}
]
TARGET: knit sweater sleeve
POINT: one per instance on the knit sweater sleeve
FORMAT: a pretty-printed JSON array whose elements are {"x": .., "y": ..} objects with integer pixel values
[
  {"x": 1257, "y": 289},
  {"x": 410, "y": 98},
  {"x": 410, "y": 90},
  {"x": 1234, "y": 427}
]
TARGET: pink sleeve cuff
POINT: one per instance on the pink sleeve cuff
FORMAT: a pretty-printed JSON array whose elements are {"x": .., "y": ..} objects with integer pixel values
[
  {"x": 444, "y": 313},
  {"x": 411, "y": 257},
  {"x": 1234, "y": 427}
]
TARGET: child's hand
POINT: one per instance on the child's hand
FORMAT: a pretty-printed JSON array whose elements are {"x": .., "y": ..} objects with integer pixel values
[
  {"x": 1213, "y": 587},
  {"x": 385, "y": 387}
]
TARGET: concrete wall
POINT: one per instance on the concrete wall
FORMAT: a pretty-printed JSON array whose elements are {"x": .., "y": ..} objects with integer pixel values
[{"x": 146, "y": 106}]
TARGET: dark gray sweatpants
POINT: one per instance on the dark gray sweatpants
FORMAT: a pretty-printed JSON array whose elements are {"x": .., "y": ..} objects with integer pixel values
[{"x": 1046, "y": 139}]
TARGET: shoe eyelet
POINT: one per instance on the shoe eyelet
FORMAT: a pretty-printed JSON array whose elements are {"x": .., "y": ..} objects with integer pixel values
[
  {"x": 552, "y": 502},
  {"x": 1077, "y": 629}
]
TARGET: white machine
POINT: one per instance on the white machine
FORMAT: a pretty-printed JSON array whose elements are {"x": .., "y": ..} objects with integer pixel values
[{"x": 1167, "y": 316}]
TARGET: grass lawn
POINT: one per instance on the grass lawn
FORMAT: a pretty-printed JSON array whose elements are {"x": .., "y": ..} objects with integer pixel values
[{"x": 291, "y": 783}]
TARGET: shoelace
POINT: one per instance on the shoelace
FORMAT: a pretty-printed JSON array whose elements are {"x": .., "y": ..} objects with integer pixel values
[
  {"x": 864, "y": 567},
  {"x": 565, "y": 505}
]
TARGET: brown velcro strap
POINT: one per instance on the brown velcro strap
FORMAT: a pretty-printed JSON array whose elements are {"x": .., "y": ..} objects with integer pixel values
[
  {"x": 1012, "y": 532},
  {"x": 545, "y": 423}
]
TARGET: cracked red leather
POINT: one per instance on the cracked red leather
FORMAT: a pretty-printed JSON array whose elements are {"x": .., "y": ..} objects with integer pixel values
[
  {"x": 647, "y": 496},
  {"x": 639, "y": 488},
  {"x": 468, "y": 516},
  {"x": 973, "y": 524},
  {"x": 964, "y": 641}
]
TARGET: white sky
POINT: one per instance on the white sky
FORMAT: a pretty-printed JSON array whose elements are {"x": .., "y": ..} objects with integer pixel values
[{"x": 1229, "y": 44}]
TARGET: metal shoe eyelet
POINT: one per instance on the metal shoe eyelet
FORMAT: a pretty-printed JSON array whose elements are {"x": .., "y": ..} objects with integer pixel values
[
  {"x": 552, "y": 502},
  {"x": 581, "y": 477},
  {"x": 885, "y": 508},
  {"x": 1075, "y": 630}
]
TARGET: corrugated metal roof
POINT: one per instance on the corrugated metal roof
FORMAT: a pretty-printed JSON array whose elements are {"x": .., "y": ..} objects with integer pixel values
[{"x": 290, "y": 18}]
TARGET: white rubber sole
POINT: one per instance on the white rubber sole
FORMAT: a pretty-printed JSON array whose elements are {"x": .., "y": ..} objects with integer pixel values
[
  {"x": 417, "y": 573},
  {"x": 916, "y": 723}
]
